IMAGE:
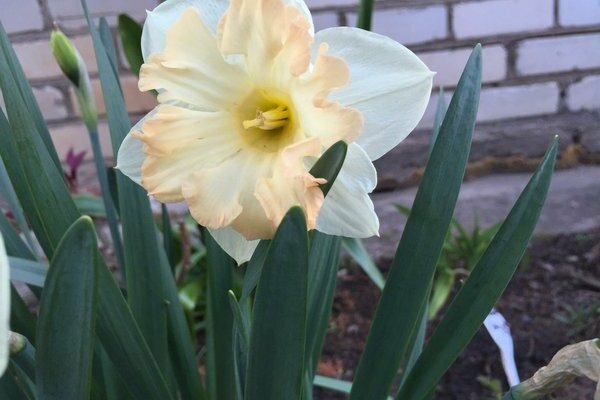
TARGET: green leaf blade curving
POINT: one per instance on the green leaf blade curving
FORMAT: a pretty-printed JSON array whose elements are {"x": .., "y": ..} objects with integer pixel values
[{"x": 397, "y": 317}]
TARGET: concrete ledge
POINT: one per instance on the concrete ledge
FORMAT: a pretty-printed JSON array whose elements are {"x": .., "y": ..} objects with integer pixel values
[
  {"x": 572, "y": 205},
  {"x": 526, "y": 137}
]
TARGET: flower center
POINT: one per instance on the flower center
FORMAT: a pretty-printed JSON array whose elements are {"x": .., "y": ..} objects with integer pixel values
[
  {"x": 275, "y": 118},
  {"x": 267, "y": 120}
]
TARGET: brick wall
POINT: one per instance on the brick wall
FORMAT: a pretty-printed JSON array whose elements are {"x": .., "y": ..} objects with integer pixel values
[{"x": 541, "y": 66}]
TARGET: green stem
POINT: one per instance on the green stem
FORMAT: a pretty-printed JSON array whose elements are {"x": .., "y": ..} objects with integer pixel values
[
  {"x": 365, "y": 14},
  {"x": 111, "y": 211}
]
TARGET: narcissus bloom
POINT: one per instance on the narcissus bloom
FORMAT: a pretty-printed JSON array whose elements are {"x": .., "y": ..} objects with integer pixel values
[{"x": 249, "y": 98}]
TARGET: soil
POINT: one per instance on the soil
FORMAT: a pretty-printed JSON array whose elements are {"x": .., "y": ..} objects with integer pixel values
[{"x": 552, "y": 301}]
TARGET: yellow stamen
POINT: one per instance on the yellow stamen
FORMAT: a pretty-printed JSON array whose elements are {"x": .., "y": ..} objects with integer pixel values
[{"x": 268, "y": 120}]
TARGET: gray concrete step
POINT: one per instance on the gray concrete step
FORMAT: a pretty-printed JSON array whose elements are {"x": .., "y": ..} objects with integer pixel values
[{"x": 572, "y": 205}]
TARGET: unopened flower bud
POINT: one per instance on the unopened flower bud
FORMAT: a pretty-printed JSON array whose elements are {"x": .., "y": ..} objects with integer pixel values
[
  {"x": 66, "y": 56},
  {"x": 72, "y": 65}
]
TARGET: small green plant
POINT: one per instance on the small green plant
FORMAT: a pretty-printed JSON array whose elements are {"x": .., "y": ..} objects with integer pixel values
[
  {"x": 581, "y": 320},
  {"x": 493, "y": 385},
  {"x": 461, "y": 251}
]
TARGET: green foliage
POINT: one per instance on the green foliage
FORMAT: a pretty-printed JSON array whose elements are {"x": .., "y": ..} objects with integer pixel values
[
  {"x": 130, "y": 33},
  {"x": 460, "y": 253},
  {"x": 263, "y": 332},
  {"x": 493, "y": 385},
  {"x": 406, "y": 289},
  {"x": 66, "y": 324}
]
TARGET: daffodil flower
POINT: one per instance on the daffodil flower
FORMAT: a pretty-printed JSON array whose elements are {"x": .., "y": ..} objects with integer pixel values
[{"x": 249, "y": 97}]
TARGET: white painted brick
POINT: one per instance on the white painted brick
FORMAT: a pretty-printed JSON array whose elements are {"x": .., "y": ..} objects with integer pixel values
[
  {"x": 74, "y": 135},
  {"x": 21, "y": 16},
  {"x": 69, "y": 13},
  {"x": 38, "y": 62},
  {"x": 505, "y": 102},
  {"x": 449, "y": 64},
  {"x": 325, "y": 20},
  {"x": 578, "y": 12},
  {"x": 51, "y": 102},
  {"x": 496, "y": 17},
  {"x": 330, "y": 3},
  {"x": 137, "y": 102},
  {"x": 585, "y": 94},
  {"x": 518, "y": 101},
  {"x": 409, "y": 25},
  {"x": 564, "y": 53}
]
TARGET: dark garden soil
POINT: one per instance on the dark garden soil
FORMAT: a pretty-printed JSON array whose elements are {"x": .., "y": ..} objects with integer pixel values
[{"x": 553, "y": 300}]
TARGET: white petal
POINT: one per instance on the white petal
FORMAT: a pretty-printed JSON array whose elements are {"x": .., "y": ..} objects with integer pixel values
[
  {"x": 160, "y": 19},
  {"x": 131, "y": 153},
  {"x": 234, "y": 244},
  {"x": 348, "y": 211},
  {"x": 388, "y": 84},
  {"x": 4, "y": 307}
]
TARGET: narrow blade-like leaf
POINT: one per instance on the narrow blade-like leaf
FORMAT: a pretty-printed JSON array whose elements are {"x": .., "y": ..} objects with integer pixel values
[
  {"x": 276, "y": 358},
  {"x": 406, "y": 290},
  {"x": 484, "y": 286},
  {"x": 143, "y": 261},
  {"x": 358, "y": 252},
  {"x": 27, "y": 271},
  {"x": 130, "y": 32},
  {"x": 51, "y": 211},
  {"x": 440, "y": 113},
  {"x": 220, "y": 365},
  {"x": 66, "y": 332},
  {"x": 323, "y": 262}
]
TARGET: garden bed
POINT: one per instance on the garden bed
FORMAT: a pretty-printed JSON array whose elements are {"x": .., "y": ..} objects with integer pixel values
[{"x": 553, "y": 300}]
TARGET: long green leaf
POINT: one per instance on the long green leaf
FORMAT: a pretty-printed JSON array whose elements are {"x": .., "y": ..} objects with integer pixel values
[
  {"x": 254, "y": 268},
  {"x": 244, "y": 329},
  {"x": 484, "y": 286},
  {"x": 125, "y": 344},
  {"x": 21, "y": 319},
  {"x": 406, "y": 290},
  {"x": 10, "y": 387},
  {"x": 143, "y": 260},
  {"x": 365, "y": 14},
  {"x": 276, "y": 358},
  {"x": 90, "y": 205},
  {"x": 26, "y": 383},
  {"x": 130, "y": 32},
  {"x": 9, "y": 195},
  {"x": 27, "y": 271},
  {"x": 181, "y": 347},
  {"x": 220, "y": 365},
  {"x": 323, "y": 262},
  {"x": 333, "y": 384},
  {"x": 440, "y": 113},
  {"x": 358, "y": 252},
  {"x": 15, "y": 246},
  {"x": 50, "y": 210},
  {"x": 66, "y": 324},
  {"x": 34, "y": 176}
]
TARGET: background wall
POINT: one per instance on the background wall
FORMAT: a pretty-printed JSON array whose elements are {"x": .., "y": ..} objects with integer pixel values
[{"x": 541, "y": 70}]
